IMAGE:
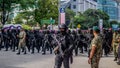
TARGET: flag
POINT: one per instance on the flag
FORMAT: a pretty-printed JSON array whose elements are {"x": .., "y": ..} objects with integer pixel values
[{"x": 62, "y": 18}]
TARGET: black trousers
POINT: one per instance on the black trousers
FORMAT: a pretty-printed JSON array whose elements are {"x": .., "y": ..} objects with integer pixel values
[
  {"x": 6, "y": 44},
  {"x": 33, "y": 45},
  {"x": 119, "y": 52},
  {"x": 59, "y": 60}
]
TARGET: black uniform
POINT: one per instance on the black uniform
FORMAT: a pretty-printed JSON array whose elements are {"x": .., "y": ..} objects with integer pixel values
[
  {"x": 64, "y": 48},
  {"x": 32, "y": 41},
  {"x": 6, "y": 39},
  {"x": 1, "y": 39}
]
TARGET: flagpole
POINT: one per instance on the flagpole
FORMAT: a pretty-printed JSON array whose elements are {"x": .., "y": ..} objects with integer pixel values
[{"x": 59, "y": 12}]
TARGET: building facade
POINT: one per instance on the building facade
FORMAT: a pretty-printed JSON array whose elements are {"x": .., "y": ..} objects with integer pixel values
[
  {"x": 119, "y": 12},
  {"x": 82, "y": 5},
  {"x": 110, "y": 7}
]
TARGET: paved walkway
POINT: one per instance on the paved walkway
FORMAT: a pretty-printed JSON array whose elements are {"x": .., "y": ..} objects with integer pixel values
[{"x": 11, "y": 60}]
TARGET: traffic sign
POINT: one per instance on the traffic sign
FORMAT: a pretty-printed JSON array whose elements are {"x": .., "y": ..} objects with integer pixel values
[
  {"x": 62, "y": 10},
  {"x": 47, "y": 21},
  {"x": 101, "y": 24}
]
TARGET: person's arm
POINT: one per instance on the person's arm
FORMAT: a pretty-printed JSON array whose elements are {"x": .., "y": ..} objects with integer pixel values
[
  {"x": 92, "y": 53},
  {"x": 93, "y": 49},
  {"x": 56, "y": 49},
  {"x": 24, "y": 36},
  {"x": 112, "y": 39},
  {"x": 71, "y": 47}
]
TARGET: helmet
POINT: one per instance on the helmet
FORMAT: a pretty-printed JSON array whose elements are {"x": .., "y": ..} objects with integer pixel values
[{"x": 62, "y": 26}]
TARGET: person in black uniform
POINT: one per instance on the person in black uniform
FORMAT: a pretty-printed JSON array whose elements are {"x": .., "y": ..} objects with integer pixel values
[
  {"x": 1, "y": 39},
  {"x": 64, "y": 48},
  {"x": 6, "y": 39},
  {"x": 32, "y": 41},
  {"x": 13, "y": 39}
]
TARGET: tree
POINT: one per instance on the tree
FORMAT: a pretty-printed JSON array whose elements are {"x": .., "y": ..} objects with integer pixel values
[
  {"x": 69, "y": 16},
  {"x": 113, "y": 22},
  {"x": 27, "y": 4},
  {"x": 46, "y": 9},
  {"x": 5, "y": 9},
  {"x": 26, "y": 15},
  {"x": 40, "y": 9},
  {"x": 79, "y": 19},
  {"x": 94, "y": 15},
  {"x": 91, "y": 18}
]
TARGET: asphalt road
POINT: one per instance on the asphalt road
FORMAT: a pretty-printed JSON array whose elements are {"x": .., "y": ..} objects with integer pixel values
[{"x": 9, "y": 59}]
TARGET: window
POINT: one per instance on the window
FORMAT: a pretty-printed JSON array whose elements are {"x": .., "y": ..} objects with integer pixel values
[
  {"x": 74, "y": 0},
  {"x": 74, "y": 6}
]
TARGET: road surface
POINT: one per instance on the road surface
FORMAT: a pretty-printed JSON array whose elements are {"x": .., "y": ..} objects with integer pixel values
[{"x": 9, "y": 59}]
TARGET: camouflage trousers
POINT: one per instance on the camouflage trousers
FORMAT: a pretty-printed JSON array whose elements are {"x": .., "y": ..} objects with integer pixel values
[
  {"x": 119, "y": 52},
  {"x": 95, "y": 62},
  {"x": 115, "y": 50},
  {"x": 22, "y": 45}
]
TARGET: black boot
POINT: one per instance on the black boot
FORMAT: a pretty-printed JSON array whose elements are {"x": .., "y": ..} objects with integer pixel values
[
  {"x": 43, "y": 53},
  {"x": 32, "y": 52},
  {"x": 115, "y": 59},
  {"x": 25, "y": 53},
  {"x": 118, "y": 62},
  {"x": 13, "y": 50},
  {"x": 18, "y": 53}
]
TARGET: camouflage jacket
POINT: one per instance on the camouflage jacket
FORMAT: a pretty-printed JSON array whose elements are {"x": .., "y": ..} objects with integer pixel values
[{"x": 97, "y": 41}]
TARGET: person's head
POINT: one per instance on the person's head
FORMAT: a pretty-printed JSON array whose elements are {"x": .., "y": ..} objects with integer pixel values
[
  {"x": 21, "y": 29},
  {"x": 69, "y": 31},
  {"x": 96, "y": 30},
  {"x": 0, "y": 30},
  {"x": 118, "y": 31},
  {"x": 63, "y": 28},
  {"x": 79, "y": 31},
  {"x": 115, "y": 31}
]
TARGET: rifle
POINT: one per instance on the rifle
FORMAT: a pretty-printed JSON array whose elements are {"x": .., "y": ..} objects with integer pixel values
[{"x": 58, "y": 47}]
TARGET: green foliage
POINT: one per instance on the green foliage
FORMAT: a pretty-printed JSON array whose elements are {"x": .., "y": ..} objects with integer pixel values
[
  {"x": 91, "y": 18},
  {"x": 69, "y": 14},
  {"x": 46, "y": 9},
  {"x": 5, "y": 9},
  {"x": 28, "y": 16},
  {"x": 27, "y": 4},
  {"x": 7, "y": 4},
  {"x": 41, "y": 9},
  {"x": 18, "y": 19},
  {"x": 79, "y": 19},
  {"x": 113, "y": 22},
  {"x": 27, "y": 27}
]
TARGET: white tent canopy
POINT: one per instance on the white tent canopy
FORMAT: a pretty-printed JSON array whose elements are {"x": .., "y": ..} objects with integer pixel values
[{"x": 12, "y": 26}]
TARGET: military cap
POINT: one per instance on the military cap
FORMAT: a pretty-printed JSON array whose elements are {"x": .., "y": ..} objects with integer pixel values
[{"x": 95, "y": 28}]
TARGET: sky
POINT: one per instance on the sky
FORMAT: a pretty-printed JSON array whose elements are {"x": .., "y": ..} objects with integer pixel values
[{"x": 64, "y": 0}]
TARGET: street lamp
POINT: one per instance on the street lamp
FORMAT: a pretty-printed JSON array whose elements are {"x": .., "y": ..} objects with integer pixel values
[{"x": 100, "y": 23}]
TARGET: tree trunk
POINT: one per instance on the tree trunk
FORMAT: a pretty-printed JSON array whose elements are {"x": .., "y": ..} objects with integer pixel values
[{"x": 4, "y": 14}]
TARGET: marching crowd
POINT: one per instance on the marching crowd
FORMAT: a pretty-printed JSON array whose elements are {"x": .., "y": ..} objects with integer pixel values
[{"x": 25, "y": 41}]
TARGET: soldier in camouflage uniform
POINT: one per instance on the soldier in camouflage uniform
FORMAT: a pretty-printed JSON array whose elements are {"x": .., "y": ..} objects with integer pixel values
[
  {"x": 118, "y": 48},
  {"x": 115, "y": 44},
  {"x": 96, "y": 48},
  {"x": 22, "y": 44}
]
